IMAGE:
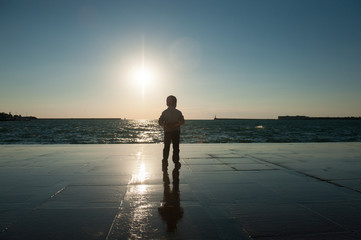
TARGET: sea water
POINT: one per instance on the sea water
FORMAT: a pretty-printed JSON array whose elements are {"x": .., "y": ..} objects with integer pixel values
[{"x": 113, "y": 131}]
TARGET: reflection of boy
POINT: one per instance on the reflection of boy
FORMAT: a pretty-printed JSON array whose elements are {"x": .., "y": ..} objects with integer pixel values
[
  {"x": 171, "y": 210},
  {"x": 171, "y": 120}
]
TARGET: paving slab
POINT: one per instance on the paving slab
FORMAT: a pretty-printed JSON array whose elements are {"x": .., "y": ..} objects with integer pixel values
[{"x": 262, "y": 191}]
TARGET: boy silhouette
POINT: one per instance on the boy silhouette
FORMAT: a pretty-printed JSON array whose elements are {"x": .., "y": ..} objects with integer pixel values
[{"x": 171, "y": 120}]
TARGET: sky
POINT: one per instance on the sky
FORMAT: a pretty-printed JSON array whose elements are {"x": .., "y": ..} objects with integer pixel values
[{"x": 239, "y": 59}]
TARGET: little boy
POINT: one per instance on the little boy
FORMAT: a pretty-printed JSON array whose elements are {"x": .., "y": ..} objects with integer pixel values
[{"x": 171, "y": 120}]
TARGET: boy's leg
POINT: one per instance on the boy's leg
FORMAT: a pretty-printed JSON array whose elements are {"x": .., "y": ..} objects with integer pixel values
[
  {"x": 167, "y": 141},
  {"x": 175, "y": 140}
]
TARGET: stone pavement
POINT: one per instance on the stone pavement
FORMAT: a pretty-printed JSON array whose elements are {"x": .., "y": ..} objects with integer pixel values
[{"x": 225, "y": 191}]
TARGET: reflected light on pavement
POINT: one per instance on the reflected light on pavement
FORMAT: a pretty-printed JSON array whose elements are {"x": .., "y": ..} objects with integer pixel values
[
  {"x": 140, "y": 176},
  {"x": 138, "y": 198}
]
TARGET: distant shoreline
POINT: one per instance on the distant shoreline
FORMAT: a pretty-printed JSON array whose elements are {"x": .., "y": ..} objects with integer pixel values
[
  {"x": 316, "y": 118},
  {"x": 297, "y": 117},
  {"x": 223, "y": 119},
  {"x": 82, "y": 119},
  {"x": 10, "y": 117}
]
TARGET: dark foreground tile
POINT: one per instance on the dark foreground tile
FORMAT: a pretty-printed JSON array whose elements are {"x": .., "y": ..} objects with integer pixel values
[
  {"x": 281, "y": 220},
  {"x": 68, "y": 224},
  {"x": 321, "y": 236},
  {"x": 347, "y": 214}
]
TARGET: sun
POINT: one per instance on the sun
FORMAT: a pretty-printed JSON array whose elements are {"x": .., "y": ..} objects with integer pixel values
[{"x": 143, "y": 76}]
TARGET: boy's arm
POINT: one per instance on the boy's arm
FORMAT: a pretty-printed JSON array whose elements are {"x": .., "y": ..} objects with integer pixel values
[
  {"x": 181, "y": 120},
  {"x": 174, "y": 125},
  {"x": 171, "y": 126},
  {"x": 161, "y": 120}
]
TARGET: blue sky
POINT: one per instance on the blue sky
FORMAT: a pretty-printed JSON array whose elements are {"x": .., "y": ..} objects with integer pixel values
[{"x": 247, "y": 59}]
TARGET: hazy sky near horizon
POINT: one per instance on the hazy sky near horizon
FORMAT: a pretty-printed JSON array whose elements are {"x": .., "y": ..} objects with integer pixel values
[{"x": 246, "y": 59}]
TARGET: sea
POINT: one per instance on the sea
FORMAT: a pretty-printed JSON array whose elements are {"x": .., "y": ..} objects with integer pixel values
[{"x": 120, "y": 131}]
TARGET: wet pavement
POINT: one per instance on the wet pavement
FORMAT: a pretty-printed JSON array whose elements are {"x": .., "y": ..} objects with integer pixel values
[{"x": 222, "y": 191}]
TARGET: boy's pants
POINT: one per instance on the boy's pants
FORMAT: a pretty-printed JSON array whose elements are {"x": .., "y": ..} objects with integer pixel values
[{"x": 171, "y": 137}]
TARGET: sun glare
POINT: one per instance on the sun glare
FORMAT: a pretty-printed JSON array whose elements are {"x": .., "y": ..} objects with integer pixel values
[{"x": 143, "y": 74}]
